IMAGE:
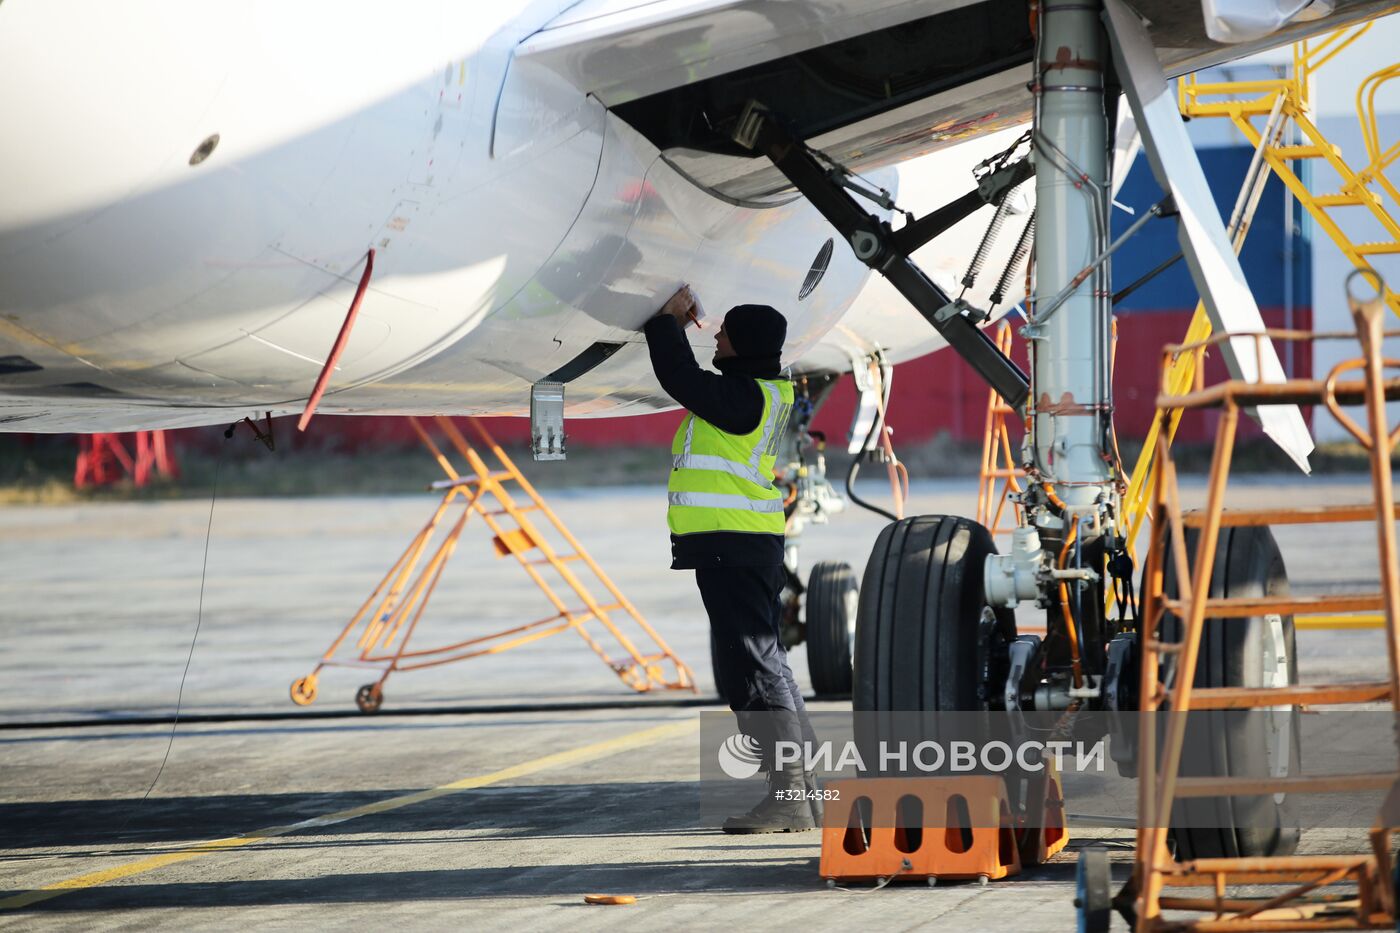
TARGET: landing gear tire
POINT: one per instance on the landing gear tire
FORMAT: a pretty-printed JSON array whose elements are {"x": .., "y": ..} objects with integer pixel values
[
  {"x": 919, "y": 628},
  {"x": 1093, "y": 890},
  {"x": 1258, "y": 651},
  {"x": 369, "y": 698},
  {"x": 833, "y": 598},
  {"x": 304, "y": 690}
]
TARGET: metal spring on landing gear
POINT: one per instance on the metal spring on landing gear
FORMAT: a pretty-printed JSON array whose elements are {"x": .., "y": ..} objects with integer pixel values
[
  {"x": 980, "y": 257},
  {"x": 1023, "y": 247}
]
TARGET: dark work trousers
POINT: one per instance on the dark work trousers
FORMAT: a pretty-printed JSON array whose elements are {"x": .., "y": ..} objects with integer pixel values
[{"x": 745, "y": 605}]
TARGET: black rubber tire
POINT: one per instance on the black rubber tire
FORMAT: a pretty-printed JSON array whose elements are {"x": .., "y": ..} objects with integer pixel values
[
  {"x": 369, "y": 698},
  {"x": 1247, "y": 563},
  {"x": 830, "y": 616},
  {"x": 1093, "y": 890},
  {"x": 920, "y": 607}
]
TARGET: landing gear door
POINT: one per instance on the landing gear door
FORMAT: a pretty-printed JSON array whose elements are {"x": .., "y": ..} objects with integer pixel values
[
  {"x": 867, "y": 405},
  {"x": 1214, "y": 266}
]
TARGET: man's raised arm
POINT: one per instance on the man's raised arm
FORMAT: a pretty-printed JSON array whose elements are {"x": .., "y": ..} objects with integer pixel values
[{"x": 733, "y": 405}]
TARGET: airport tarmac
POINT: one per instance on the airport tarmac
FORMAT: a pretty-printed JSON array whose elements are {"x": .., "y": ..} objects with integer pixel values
[{"x": 486, "y": 794}]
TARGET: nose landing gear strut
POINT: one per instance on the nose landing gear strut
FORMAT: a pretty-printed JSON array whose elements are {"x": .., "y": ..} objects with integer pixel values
[{"x": 936, "y": 593}]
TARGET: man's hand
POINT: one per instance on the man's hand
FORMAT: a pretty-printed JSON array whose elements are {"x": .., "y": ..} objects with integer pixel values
[{"x": 683, "y": 306}]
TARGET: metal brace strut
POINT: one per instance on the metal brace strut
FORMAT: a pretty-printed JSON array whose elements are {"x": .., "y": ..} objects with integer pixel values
[
  {"x": 888, "y": 252},
  {"x": 266, "y": 436}
]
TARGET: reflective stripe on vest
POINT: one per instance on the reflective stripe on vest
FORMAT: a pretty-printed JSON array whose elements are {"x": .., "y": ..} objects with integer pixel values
[
  {"x": 716, "y": 500},
  {"x": 724, "y": 482},
  {"x": 719, "y": 465}
]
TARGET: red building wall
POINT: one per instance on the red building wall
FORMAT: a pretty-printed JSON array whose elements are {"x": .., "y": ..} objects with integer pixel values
[{"x": 938, "y": 394}]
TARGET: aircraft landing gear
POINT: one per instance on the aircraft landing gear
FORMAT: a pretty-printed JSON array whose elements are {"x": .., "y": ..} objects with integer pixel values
[
  {"x": 833, "y": 598},
  {"x": 923, "y": 587},
  {"x": 829, "y": 603},
  {"x": 933, "y": 581},
  {"x": 930, "y": 580},
  {"x": 823, "y": 611}
]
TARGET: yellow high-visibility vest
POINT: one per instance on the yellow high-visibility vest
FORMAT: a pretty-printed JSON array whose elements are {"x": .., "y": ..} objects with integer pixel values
[{"x": 724, "y": 482}]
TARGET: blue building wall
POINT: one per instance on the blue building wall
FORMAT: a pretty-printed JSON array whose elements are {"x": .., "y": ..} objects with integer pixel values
[
  {"x": 1277, "y": 262},
  {"x": 1265, "y": 257}
]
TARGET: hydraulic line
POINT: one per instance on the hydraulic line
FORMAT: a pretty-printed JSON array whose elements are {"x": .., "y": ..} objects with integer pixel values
[
  {"x": 1162, "y": 208},
  {"x": 898, "y": 474},
  {"x": 851, "y": 489},
  {"x": 1071, "y": 632},
  {"x": 865, "y": 448}
]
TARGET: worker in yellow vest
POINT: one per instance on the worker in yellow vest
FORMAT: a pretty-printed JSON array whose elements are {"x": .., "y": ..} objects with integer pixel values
[{"x": 727, "y": 522}]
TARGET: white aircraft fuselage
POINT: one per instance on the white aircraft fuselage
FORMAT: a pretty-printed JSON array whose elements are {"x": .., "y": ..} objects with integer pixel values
[
  {"x": 192, "y": 190},
  {"x": 515, "y": 222}
]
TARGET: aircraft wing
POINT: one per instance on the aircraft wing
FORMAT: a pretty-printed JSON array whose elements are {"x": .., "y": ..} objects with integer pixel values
[
  {"x": 620, "y": 51},
  {"x": 870, "y": 82}
]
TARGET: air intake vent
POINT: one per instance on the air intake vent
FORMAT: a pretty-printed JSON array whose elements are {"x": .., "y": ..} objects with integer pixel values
[{"x": 814, "y": 275}]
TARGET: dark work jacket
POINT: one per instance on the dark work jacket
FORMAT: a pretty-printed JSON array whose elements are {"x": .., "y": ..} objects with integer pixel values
[{"x": 731, "y": 401}]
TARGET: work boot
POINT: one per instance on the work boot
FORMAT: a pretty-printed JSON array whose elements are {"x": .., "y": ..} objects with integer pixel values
[
  {"x": 814, "y": 796},
  {"x": 783, "y": 809}
]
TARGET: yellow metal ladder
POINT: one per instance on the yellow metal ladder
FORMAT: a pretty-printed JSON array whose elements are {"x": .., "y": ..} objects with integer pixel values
[
  {"x": 1280, "y": 101},
  {"x": 1358, "y": 188}
]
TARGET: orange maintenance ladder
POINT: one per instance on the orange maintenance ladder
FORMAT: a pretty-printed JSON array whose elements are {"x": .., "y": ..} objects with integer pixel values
[
  {"x": 389, "y": 618},
  {"x": 103, "y": 459},
  {"x": 1000, "y": 475},
  {"x": 1295, "y": 899}
]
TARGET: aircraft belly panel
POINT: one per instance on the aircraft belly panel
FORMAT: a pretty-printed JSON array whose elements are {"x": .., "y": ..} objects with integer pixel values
[{"x": 645, "y": 231}]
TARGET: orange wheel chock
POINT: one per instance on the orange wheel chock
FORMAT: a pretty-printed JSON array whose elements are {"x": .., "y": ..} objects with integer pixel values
[
  {"x": 919, "y": 828},
  {"x": 610, "y": 899}
]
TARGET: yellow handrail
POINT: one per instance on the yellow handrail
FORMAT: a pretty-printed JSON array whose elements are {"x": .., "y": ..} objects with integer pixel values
[
  {"x": 1240, "y": 108},
  {"x": 1370, "y": 131}
]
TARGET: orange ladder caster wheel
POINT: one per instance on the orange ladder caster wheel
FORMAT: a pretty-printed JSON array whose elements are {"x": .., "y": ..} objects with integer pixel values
[
  {"x": 369, "y": 698},
  {"x": 304, "y": 690}
]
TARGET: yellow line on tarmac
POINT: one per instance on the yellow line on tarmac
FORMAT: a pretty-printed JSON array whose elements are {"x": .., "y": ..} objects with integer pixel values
[{"x": 557, "y": 760}]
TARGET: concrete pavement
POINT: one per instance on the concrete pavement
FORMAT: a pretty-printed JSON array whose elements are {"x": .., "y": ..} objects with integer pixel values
[{"x": 488, "y": 820}]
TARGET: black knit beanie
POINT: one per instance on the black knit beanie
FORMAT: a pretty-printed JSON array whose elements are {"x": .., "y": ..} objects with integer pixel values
[{"x": 755, "y": 331}]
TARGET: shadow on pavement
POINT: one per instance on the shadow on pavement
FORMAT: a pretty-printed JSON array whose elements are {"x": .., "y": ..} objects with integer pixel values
[
  {"x": 752, "y": 876},
  {"x": 511, "y": 812}
]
